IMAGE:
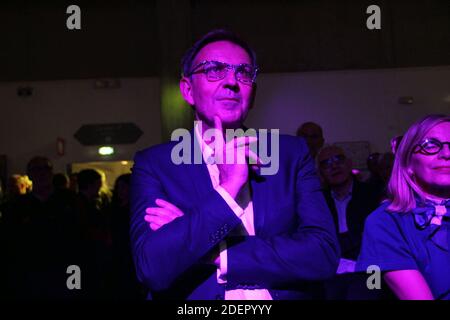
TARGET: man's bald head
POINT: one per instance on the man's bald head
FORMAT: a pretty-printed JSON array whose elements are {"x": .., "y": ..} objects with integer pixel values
[{"x": 313, "y": 135}]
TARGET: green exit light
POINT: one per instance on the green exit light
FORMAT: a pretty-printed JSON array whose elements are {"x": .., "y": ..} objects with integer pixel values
[{"x": 106, "y": 151}]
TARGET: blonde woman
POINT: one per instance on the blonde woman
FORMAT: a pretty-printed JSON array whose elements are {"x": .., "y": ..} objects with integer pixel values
[{"x": 408, "y": 237}]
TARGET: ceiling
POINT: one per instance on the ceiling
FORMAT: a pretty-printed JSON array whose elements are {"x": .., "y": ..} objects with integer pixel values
[{"x": 123, "y": 38}]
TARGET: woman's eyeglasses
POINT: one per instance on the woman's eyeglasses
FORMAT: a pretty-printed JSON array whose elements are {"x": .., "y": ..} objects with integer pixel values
[{"x": 430, "y": 146}]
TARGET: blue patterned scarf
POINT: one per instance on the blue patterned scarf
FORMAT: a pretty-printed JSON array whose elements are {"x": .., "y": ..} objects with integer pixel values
[{"x": 429, "y": 214}]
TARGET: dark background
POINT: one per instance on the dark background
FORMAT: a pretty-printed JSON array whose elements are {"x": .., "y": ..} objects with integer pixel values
[{"x": 138, "y": 38}]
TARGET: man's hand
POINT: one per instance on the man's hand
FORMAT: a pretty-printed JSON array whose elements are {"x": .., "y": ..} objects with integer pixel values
[
  {"x": 233, "y": 175},
  {"x": 161, "y": 215}
]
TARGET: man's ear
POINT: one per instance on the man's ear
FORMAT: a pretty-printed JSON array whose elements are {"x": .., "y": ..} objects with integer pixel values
[{"x": 186, "y": 90}]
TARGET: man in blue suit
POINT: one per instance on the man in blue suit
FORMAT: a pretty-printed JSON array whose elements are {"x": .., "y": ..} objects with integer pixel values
[{"x": 223, "y": 230}]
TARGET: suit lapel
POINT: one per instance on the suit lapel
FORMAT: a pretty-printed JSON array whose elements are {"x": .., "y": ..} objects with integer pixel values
[
  {"x": 259, "y": 199},
  {"x": 198, "y": 173},
  {"x": 332, "y": 206}
]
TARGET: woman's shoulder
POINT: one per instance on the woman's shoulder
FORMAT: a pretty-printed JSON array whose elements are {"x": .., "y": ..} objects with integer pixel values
[{"x": 383, "y": 216}]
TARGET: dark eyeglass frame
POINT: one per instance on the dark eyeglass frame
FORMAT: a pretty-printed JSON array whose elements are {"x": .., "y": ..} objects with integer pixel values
[
  {"x": 327, "y": 163},
  {"x": 420, "y": 147},
  {"x": 227, "y": 67}
]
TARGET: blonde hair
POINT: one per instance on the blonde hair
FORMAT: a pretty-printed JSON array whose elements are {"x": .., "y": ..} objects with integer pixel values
[
  {"x": 22, "y": 182},
  {"x": 402, "y": 188}
]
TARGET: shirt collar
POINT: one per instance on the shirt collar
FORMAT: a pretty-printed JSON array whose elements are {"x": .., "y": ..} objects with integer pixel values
[
  {"x": 207, "y": 151},
  {"x": 347, "y": 196}
]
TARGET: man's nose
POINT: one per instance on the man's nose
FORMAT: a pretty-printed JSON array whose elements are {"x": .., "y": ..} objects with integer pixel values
[{"x": 230, "y": 81}]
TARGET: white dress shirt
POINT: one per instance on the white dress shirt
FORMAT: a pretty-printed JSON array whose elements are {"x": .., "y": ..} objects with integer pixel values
[
  {"x": 341, "y": 208},
  {"x": 243, "y": 208},
  {"x": 345, "y": 265}
]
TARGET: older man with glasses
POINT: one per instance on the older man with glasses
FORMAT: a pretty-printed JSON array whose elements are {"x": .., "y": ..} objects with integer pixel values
[
  {"x": 350, "y": 202},
  {"x": 225, "y": 230}
]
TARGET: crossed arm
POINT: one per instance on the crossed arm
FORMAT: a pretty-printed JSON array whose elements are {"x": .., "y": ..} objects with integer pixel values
[
  {"x": 164, "y": 213},
  {"x": 168, "y": 240},
  {"x": 161, "y": 256}
]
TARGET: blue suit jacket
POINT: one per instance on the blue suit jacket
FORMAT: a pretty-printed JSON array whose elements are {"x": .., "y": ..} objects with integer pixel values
[{"x": 295, "y": 245}]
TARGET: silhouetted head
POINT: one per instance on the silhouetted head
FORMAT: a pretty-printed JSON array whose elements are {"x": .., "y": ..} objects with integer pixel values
[
  {"x": 60, "y": 181},
  {"x": 73, "y": 182},
  {"x": 89, "y": 183},
  {"x": 121, "y": 190},
  {"x": 385, "y": 164},
  {"x": 40, "y": 171},
  {"x": 313, "y": 135},
  {"x": 372, "y": 163}
]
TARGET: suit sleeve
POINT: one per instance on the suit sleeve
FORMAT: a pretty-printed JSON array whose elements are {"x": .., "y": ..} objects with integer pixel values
[
  {"x": 309, "y": 253},
  {"x": 162, "y": 256}
]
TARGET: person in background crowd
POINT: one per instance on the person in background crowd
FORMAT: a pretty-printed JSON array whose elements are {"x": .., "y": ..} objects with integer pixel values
[
  {"x": 60, "y": 181},
  {"x": 385, "y": 164},
  {"x": 350, "y": 202},
  {"x": 96, "y": 221},
  {"x": 374, "y": 178},
  {"x": 18, "y": 185},
  {"x": 313, "y": 135},
  {"x": 125, "y": 283},
  {"x": 407, "y": 237},
  {"x": 32, "y": 255},
  {"x": 73, "y": 182}
]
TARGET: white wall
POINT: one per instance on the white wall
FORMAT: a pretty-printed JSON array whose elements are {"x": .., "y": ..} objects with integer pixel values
[
  {"x": 357, "y": 105},
  {"x": 350, "y": 106},
  {"x": 30, "y": 126}
]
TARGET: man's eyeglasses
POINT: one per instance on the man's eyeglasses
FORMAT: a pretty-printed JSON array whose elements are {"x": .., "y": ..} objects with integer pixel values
[
  {"x": 327, "y": 163},
  {"x": 430, "y": 146},
  {"x": 215, "y": 71}
]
